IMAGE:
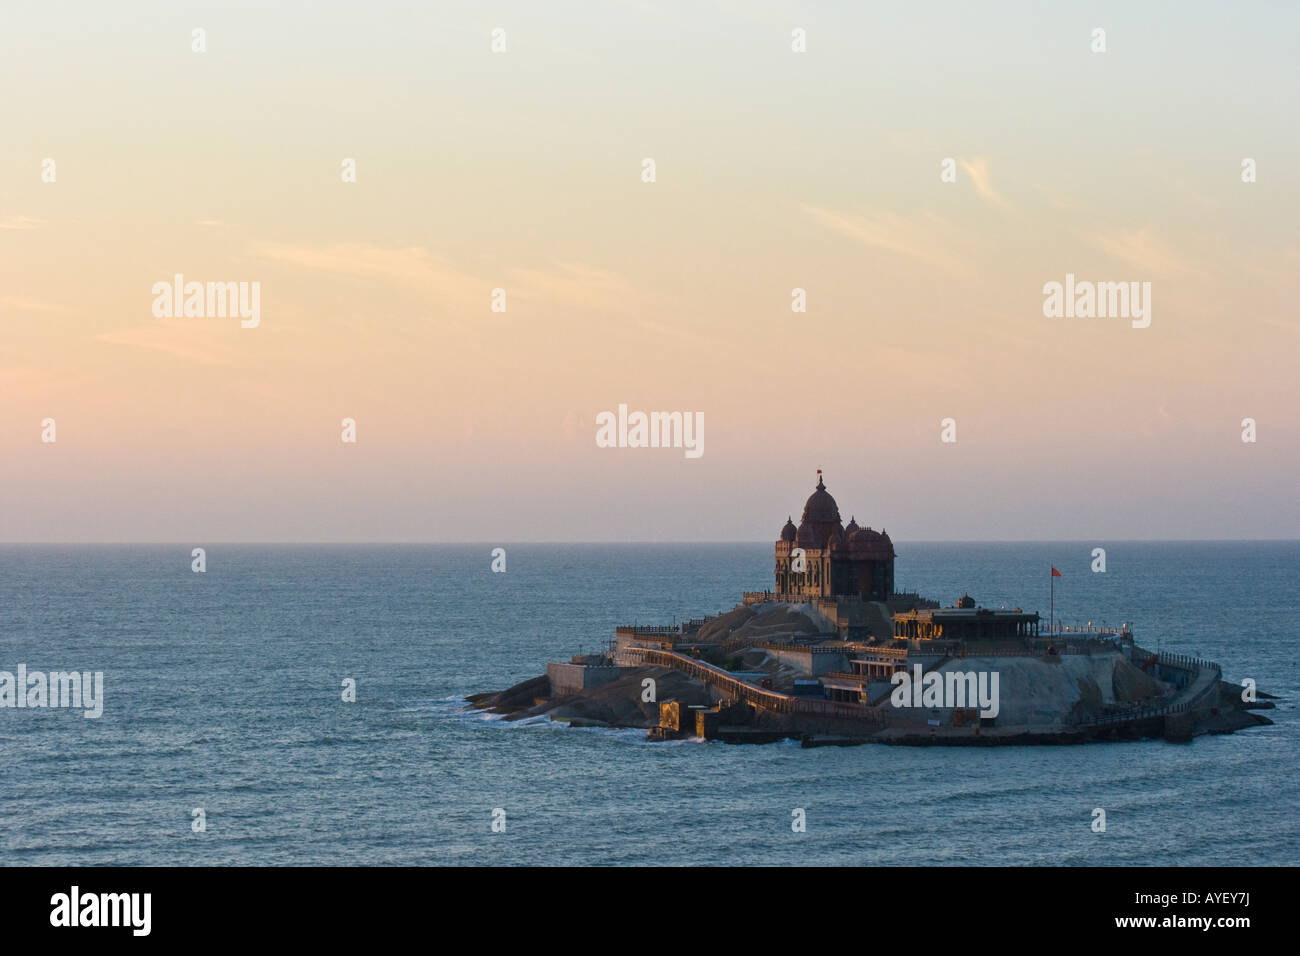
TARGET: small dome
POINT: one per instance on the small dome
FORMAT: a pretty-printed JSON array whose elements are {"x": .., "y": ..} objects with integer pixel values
[
  {"x": 870, "y": 544},
  {"x": 851, "y": 527},
  {"x": 789, "y": 532}
]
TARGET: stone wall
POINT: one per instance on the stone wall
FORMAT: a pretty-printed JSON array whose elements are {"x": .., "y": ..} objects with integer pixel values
[
  {"x": 810, "y": 661},
  {"x": 574, "y": 678}
]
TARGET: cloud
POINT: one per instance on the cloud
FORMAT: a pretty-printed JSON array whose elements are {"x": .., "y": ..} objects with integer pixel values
[
  {"x": 923, "y": 241},
  {"x": 413, "y": 266},
  {"x": 30, "y": 380},
  {"x": 571, "y": 284},
  {"x": 31, "y": 305},
  {"x": 189, "y": 340},
  {"x": 19, "y": 222},
  {"x": 978, "y": 171},
  {"x": 1141, "y": 248}
]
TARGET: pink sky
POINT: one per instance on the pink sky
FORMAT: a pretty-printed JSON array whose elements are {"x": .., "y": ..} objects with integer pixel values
[{"x": 522, "y": 170}]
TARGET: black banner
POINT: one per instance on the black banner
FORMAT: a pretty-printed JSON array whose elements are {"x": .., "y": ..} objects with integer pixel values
[{"x": 1227, "y": 905}]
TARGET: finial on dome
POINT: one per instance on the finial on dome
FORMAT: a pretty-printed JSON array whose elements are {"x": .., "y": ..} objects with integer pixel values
[{"x": 821, "y": 486}]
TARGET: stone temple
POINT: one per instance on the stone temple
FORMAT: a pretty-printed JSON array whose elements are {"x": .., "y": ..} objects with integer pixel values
[
  {"x": 836, "y": 655},
  {"x": 823, "y": 558}
]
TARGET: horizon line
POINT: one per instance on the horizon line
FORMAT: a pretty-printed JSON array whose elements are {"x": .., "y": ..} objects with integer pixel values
[{"x": 624, "y": 541}]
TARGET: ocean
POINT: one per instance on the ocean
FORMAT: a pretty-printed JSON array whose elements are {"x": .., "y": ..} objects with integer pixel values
[{"x": 223, "y": 693}]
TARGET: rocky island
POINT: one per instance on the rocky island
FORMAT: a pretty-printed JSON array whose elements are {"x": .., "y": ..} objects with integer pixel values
[{"x": 833, "y": 655}]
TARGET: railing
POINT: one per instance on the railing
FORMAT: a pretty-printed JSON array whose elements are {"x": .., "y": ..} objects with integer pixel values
[
  {"x": 882, "y": 651},
  {"x": 1183, "y": 661},
  {"x": 814, "y": 648},
  {"x": 758, "y": 696},
  {"x": 1194, "y": 665},
  {"x": 974, "y": 649},
  {"x": 794, "y": 597},
  {"x": 650, "y": 630},
  {"x": 1142, "y": 713},
  {"x": 1127, "y": 716},
  {"x": 782, "y": 597},
  {"x": 931, "y": 648}
]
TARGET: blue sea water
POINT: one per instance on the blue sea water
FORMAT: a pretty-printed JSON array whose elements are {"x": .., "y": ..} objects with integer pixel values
[{"x": 223, "y": 692}]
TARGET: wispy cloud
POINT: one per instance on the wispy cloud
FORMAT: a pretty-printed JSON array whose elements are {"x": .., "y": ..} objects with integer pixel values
[
  {"x": 19, "y": 304},
  {"x": 1141, "y": 248},
  {"x": 411, "y": 266},
  {"x": 978, "y": 171},
  {"x": 187, "y": 340},
  {"x": 572, "y": 284},
  {"x": 925, "y": 240},
  {"x": 19, "y": 222},
  {"x": 37, "y": 380}
]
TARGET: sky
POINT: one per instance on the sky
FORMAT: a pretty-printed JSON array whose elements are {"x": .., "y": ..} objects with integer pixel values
[{"x": 523, "y": 170}]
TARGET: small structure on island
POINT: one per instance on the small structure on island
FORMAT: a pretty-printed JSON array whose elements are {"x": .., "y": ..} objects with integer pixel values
[{"x": 968, "y": 623}]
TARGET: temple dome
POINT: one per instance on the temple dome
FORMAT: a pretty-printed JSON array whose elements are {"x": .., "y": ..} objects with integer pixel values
[
  {"x": 820, "y": 506},
  {"x": 789, "y": 532},
  {"x": 821, "y": 520},
  {"x": 851, "y": 527}
]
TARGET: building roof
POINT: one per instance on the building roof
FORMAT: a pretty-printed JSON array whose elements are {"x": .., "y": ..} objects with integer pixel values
[
  {"x": 963, "y": 614},
  {"x": 821, "y": 520},
  {"x": 820, "y": 506},
  {"x": 868, "y": 543}
]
